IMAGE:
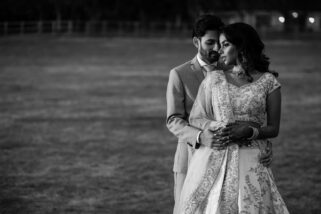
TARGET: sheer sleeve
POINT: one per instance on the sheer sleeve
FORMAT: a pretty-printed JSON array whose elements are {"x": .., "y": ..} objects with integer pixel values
[
  {"x": 273, "y": 83},
  {"x": 202, "y": 115}
]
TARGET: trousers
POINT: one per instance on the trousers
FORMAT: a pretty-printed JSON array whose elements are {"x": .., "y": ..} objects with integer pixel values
[{"x": 179, "y": 179}]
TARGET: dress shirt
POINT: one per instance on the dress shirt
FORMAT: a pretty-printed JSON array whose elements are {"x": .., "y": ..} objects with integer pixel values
[{"x": 206, "y": 67}]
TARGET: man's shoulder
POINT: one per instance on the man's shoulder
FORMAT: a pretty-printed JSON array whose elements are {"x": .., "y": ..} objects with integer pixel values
[{"x": 183, "y": 68}]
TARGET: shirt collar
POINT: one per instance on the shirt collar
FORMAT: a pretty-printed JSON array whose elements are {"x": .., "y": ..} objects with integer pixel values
[{"x": 202, "y": 63}]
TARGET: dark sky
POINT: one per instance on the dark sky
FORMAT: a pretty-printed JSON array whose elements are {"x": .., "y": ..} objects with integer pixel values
[{"x": 140, "y": 10}]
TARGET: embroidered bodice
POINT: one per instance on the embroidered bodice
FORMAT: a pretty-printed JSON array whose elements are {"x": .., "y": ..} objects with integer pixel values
[
  {"x": 230, "y": 180},
  {"x": 249, "y": 101}
]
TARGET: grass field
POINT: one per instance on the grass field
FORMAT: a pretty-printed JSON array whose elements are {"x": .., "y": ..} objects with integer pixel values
[{"x": 82, "y": 125}]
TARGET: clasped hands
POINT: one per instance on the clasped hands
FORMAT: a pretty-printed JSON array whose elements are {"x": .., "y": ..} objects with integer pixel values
[{"x": 238, "y": 133}]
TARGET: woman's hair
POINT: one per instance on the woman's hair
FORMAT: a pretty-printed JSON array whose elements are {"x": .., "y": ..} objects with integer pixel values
[{"x": 249, "y": 46}]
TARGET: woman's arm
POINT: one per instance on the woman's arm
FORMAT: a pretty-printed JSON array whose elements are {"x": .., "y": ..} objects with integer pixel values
[
  {"x": 273, "y": 110},
  {"x": 242, "y": 129}
]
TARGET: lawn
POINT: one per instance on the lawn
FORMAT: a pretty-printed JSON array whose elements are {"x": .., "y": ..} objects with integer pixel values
[{"x": 82, "y": 124}]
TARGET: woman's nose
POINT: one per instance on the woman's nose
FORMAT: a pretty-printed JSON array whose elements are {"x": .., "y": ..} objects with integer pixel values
[{"x": 216, "y": 47}]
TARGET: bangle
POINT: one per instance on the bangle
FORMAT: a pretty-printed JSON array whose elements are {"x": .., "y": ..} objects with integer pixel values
[
  {"x": 255, "y": 133},
  {"x": 198, "y": 140}
]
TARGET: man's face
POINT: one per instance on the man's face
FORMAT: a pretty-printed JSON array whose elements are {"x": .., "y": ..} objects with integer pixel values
[{"x": 208, "y": 46}]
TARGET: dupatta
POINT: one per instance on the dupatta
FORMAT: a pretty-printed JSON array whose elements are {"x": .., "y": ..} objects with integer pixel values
[{"x": 212, "y": 176}]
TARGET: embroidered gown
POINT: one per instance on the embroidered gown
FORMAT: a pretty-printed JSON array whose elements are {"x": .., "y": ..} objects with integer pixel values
[{"x": 230, "y": 181}]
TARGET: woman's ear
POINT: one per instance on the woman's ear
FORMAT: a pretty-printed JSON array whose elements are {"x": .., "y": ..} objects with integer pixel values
[
  {"x": 196, "y": 42},
  {"x": 240, "y": 57}
]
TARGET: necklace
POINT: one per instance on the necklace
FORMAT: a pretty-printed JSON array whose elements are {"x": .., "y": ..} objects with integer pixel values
[{"x": 238, "y": 71}]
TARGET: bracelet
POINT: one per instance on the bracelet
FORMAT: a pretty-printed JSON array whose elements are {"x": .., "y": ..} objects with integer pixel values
[
  {"x": 198, "y": 137},
  {"x": 255, "y": 133}
]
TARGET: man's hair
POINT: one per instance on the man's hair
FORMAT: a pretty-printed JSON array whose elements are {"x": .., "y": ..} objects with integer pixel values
[{"x": 206, "y": 22}]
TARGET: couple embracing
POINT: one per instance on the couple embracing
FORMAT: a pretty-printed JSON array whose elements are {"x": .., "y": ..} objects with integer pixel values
[{"x": 223, "y": 106}]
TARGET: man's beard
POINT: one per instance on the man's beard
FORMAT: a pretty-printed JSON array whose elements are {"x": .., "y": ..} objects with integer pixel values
[{"x": 210, "y": 56}]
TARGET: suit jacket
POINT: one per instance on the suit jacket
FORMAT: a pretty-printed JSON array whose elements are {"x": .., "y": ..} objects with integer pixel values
[{"x": 182, "y": 89}]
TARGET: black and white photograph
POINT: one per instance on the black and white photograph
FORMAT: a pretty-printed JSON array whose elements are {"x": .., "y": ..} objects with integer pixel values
[{"x": 160, "y": 107}]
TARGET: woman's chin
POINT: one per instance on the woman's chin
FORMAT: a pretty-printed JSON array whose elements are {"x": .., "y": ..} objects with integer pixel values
[
  {"x": 222, "y": 61},
  {"x": 226, "y": 62}
]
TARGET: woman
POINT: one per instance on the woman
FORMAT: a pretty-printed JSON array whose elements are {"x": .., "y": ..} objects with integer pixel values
[{"x": 232, "y": 180}]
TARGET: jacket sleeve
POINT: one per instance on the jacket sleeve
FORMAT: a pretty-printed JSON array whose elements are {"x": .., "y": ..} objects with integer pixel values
[{"x": 177, "y": 117}]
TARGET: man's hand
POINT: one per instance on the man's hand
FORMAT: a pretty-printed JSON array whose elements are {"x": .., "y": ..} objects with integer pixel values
[
  {"x": 210, "y": 139},
  {"x": 266, "y": 158}
]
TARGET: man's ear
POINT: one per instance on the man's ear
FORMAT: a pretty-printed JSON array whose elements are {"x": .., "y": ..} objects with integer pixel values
[{"x": 196, "y": 42}]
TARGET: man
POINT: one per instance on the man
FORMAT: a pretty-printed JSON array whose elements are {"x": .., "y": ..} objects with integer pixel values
[{"x": 182, "y": 89}]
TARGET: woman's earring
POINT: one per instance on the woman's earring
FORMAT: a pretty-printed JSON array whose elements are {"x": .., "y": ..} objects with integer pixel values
[{"x": 244, "y": 60}]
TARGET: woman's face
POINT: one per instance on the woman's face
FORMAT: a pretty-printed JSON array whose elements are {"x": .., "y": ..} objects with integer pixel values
[{"x": 228, "y": 51}]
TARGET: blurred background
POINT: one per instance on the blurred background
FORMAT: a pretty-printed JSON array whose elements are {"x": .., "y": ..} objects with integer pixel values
[
  {"x": 83, "y": 108},
  {"x": 147, "y": 18}
]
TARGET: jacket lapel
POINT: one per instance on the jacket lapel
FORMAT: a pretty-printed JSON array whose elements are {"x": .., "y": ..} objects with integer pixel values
[{"x": 197, "y": 70}]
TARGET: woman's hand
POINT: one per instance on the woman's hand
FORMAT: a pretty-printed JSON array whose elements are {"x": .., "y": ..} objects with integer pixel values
[{"x": 238, "y": 131}]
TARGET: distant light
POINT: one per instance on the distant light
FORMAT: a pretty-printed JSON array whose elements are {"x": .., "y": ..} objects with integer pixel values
[
  {"x": 311, "y": 20},
  {"x": 281, "y": 19},
  {"x": 295, "y": 14}
]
